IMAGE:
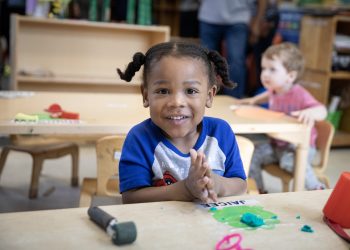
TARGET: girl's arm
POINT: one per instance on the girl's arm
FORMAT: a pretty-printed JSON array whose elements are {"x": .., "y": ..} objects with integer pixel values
[
  {"x": 258, "y": 99},
  {"x": 177, "y": 191},
  {"x": 310, "y": 115},
  {"x": 228, "y": 186}
]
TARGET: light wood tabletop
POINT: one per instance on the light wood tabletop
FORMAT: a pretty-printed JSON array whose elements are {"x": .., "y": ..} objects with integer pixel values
[
  {"x": 117, "y": 113},
  {"x": 179, "y": 225}
]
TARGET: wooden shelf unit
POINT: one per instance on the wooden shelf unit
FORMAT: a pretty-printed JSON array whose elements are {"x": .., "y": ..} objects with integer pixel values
[
  {"x": 76, "y": 55},
  {"x": 316, "y": 43},
  {"x": 167, "y": 12}
]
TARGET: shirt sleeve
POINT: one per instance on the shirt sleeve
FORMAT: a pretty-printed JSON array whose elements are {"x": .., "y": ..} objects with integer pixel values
[
  {"x": 134, "y": 166},
  {"x": 307, "y": 99},
  {"x": 233, "y": 163}
]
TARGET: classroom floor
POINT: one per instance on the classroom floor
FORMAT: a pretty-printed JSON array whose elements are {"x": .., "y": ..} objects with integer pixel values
[{"x": 55, "y": 190}]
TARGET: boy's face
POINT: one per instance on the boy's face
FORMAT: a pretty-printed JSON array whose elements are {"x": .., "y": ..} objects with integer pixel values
[
  {"x": 274, "y": 76},
  {"x": 177, "y": 93}
]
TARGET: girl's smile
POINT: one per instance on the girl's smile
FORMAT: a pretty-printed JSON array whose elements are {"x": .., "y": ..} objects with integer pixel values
[{"x": 178, "y": 119}]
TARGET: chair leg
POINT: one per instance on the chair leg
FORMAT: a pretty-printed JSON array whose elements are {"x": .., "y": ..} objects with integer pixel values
[
  {"x": 285, "y": 185},
  {"x": 75, "y": 167},
  {"x": 34, "y": 185},
  {"x": 325, "y": 180},
  {"x": 5, "y": 151},
  {"x": 252, "y": 187}
]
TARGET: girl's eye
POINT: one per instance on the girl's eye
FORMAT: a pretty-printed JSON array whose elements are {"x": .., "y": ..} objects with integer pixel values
[
  {"x": 191, "y": 91},
  {"x": 162, "y": 91}
]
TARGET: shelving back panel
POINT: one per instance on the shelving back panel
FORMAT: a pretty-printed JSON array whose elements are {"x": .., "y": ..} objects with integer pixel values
[{"x": 63, "y": 49}]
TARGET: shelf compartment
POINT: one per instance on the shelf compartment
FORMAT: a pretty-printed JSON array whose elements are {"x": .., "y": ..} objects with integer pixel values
[
  {"x": 90, "y": 50},
  {"x": 341, "y": 139}
]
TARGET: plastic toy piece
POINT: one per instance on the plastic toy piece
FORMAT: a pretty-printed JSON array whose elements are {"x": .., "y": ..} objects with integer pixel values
[
  {"x": 25, "y": 117},
  {"x": 69, "y": 115},
  {"x": 54, "y": 108},
  {"x": 57, "y": 112},
  {"x": 229, "y": 242}
]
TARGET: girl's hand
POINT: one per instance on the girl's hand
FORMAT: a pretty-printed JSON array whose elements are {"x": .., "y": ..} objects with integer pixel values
[
  {"x": 212, "y": 195},
  {"x": 305, "y": 116},
  {"x": 195, "y": 182},
  {"x": 198, "y": 183}
]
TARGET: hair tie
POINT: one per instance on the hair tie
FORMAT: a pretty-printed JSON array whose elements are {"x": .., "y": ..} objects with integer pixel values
[
  {"x": 139, "y": 58},
  {"x": 211, "y": 55}
]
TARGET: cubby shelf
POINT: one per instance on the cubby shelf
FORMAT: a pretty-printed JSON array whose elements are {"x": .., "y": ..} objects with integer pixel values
[
  {"x": 76, "y": 55},
  {"x": 317, "y": 44}
]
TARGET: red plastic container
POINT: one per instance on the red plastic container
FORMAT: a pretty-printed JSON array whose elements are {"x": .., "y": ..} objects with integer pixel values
[{"x": 337, "y": 208}]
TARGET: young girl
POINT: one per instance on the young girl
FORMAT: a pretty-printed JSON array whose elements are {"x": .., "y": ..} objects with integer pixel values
[
  {"x": 178, "y": 154},
  {"x": 282, "y": 66}
]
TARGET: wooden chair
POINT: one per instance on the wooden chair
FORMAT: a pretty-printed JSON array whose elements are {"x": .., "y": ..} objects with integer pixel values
[
  {"x": 324, "y": 139},
  {"x": 40, "y": 153},
  {"x": 108, "y": 150},
  {"x": 246, "y": 149}
]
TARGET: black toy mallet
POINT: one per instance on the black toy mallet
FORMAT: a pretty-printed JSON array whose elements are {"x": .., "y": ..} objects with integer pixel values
[{"x": 121, "y": 233}]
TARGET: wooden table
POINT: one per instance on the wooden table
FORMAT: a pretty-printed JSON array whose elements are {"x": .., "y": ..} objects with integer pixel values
[
  {"x": 174, "y": 225},
  {"x": 117, "y": 113}
]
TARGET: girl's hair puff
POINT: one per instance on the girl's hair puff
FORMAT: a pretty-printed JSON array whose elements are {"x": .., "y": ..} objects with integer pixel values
[
  {"x": 216, "y": 65},
  {"x": 290, "y": 56}
]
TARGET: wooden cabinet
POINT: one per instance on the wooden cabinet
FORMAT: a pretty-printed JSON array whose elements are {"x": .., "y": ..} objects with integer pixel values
[
  {"x": 317, "y": 44},
  {"x": 167, "y": 12},
  {"x": 76, "y": 55}
]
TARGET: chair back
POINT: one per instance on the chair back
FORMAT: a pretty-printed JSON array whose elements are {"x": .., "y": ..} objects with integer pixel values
[
  {"x": 325, "y": 133},
  {"x": 108, "y": 151},
  {"x": 246, "y": 149}
]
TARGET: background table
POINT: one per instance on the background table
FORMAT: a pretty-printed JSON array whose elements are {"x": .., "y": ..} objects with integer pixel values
[
  {"x": 117, "y": 113},
  {"x": 174, "y": 225}
]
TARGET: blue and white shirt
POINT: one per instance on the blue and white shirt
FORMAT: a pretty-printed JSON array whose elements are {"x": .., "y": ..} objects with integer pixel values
[{"x": 149, "y": 159}]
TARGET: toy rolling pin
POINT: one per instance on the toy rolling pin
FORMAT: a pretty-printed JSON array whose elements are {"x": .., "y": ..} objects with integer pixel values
[{"x": 121, "y": 233}]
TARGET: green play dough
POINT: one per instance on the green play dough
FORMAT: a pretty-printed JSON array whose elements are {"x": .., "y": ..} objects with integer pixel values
[{"x": 232, "y": 216}]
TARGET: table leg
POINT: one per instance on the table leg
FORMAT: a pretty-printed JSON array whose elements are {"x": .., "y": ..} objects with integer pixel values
[
  {"x": 300, "y": 167},
  {"x": 301, "y": 139}
]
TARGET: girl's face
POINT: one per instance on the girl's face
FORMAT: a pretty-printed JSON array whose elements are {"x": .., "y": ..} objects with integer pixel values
[
  {"x": 274, "y": 76},
  {"x": 177, "y": 93}
]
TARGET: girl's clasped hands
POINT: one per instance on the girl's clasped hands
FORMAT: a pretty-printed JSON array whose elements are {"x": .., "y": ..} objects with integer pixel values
[{"x": 199, "y": 182}]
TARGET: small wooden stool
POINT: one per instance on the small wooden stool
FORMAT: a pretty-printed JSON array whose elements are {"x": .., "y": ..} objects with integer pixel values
[{"x": 41, "y": 152}]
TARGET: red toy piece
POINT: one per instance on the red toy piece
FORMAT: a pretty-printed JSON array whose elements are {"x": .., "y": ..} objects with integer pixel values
[
  {"x": 54, "y": 108},
  {"x": 69, "y": 115},
  {"x": 57, "y": 112}
]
